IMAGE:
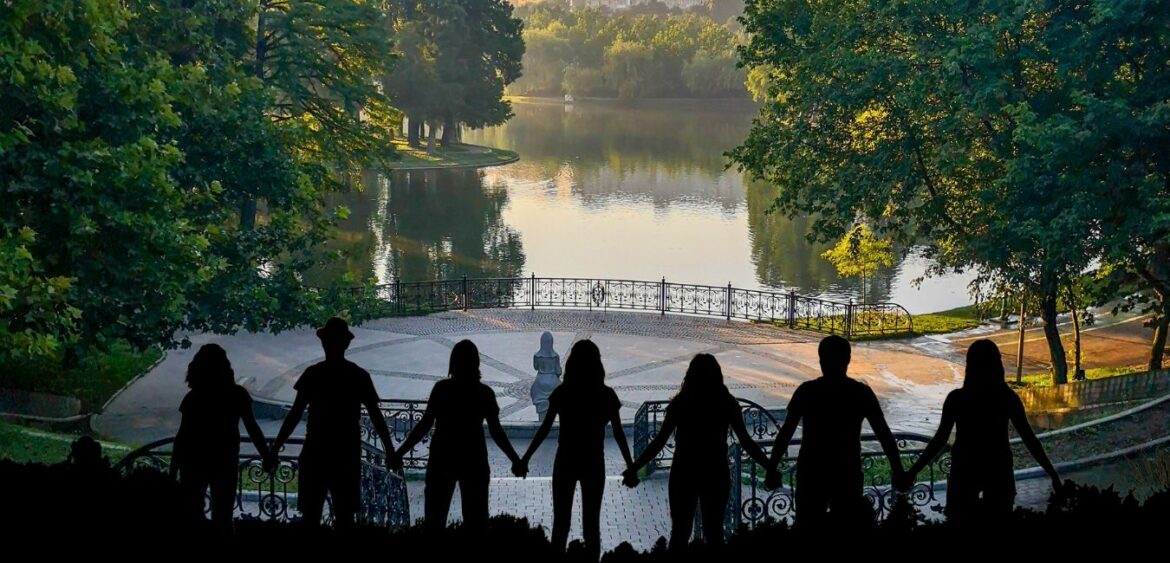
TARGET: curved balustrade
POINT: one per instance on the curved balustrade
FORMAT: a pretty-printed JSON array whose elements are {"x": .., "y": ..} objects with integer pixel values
[
  {"x": 271, "y": 496},
  {"x": 789, "y": 309},
  {"x": 751, "y": 503}
]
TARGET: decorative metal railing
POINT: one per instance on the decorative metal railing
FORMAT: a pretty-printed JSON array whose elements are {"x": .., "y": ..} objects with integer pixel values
[
  {"x": 401, "y": 418},
  {"x": 272, "y": 496},
  {"x": 751, "y": 503},
  {"x": 789, "y": 309}
]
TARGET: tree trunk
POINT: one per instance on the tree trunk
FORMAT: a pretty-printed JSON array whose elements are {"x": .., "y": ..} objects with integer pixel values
[
  {"x": 450, "y": 132},
  {"x": 1161, "y": 324},
  {"x": 432, "y": 130},
  {"x": 1020, "y": 344},
  {"x": 412, "y": 134},
  {"x": 1052, "y": 335},
  {"x": 1078, "y": 372},
  {"x": 248, "y": 203}
]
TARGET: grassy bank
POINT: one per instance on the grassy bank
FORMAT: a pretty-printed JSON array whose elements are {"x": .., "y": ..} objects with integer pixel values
[
  {"x": 27, "y": 445},
  {"x": 1044, "y": 379},
  {"x": 455, "y": 156},
  {"x": 943, "y": 322},
  {"x": 95, "y": 378}
]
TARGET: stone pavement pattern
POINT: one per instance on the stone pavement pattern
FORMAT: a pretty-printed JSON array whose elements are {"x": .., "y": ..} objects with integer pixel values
[{"x": 645, "y": 356}]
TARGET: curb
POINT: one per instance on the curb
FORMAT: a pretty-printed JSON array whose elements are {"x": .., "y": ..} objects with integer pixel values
[{"x": 132, "y": 381}]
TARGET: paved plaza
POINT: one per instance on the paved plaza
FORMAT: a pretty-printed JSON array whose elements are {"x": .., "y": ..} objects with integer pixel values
[{"x": 645, "y": 357}]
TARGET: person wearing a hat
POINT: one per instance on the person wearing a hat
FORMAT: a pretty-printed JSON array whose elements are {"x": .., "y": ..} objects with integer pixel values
[{"x": 334, "y": 390}]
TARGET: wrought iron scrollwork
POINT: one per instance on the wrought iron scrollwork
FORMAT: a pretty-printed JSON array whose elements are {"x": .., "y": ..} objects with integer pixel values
[{"x": 789, "y": 309}]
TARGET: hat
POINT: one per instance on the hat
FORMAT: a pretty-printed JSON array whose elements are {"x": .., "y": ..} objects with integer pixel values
[{"x": 335, "y": 329}]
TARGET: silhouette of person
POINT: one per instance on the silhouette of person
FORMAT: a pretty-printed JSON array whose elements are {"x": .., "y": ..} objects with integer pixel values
[
  {"x": 206, "y": 450},
  {"x": 457, "y": 408},
  {"x": 547, "y": 363},
  {"x": 981, "y": 459},
  {"x": 585, "y": 405},
  {"x": 699, "y": 415},
  {"x": 828, "y": 468},
  {"x": 334, "y": 391}
]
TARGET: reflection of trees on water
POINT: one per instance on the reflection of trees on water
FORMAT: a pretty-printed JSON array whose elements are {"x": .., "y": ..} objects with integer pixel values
[
  {"x": 664, "y": 154},
  {"x": 784, "y": 258},
  {"x": 428, "y": 225}
]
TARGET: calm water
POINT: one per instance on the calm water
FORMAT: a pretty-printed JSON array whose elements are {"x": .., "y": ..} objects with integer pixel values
[{"x": 610, "y": 191}]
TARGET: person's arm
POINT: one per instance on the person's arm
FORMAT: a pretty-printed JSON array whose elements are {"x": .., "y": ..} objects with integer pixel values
[
  {"x": 254, "y": 431},
  {"x": 935, "y": 445},
  {"x": 501, "y": 439},
  {"x": 746, "y": 441},
  {"x": 541, "y": 433},
  {"x": 1024, "y": 429},
  {"x": 877, "y": 422},
  {"x": 393, "y": 459},
  {"x": 655, "y": 445},
  {"x": 291, "y": 420},
  {"x": 419, "y": 431},
  {"x": 619, "y": 436},
  {"x": 792, "y": 418},
  {"x": 178, "y": 449}
]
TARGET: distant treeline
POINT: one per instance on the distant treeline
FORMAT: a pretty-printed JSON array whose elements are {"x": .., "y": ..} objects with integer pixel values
[{"x": 645, "y": 51}]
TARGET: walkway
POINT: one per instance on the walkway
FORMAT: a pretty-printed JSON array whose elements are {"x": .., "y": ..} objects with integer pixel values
[{"x": 645, "y": 355}]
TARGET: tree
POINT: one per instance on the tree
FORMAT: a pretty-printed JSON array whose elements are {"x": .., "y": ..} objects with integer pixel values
[
  {"x": 956, "y": 125},
  {"x": 859, "y": 255},
  {"x": 85, "y": 165}
]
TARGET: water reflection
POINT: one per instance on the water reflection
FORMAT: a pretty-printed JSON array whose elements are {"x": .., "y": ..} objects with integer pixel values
[{"x": 605, "y": 190}]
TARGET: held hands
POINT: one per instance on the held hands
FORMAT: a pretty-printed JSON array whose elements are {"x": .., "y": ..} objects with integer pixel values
[
  {"x": 393, "y": 461},
  {"x": 520, "y": 468},
  {"x": 630, "y": 478},
  {"x": 271, "y": 461},
  {"x": 774, "y": 479}
]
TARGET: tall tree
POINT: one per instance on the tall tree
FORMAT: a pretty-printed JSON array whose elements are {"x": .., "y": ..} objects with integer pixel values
[{"x": 939, "y": 122}]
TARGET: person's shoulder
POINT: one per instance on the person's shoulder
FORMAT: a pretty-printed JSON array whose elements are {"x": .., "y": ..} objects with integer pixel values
[
  {"x": 356, "y": 369},
  {"x": 859, "y": 386}
]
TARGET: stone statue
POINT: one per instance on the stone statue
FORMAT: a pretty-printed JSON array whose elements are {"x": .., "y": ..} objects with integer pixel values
[{"x": 547, "y": 363}]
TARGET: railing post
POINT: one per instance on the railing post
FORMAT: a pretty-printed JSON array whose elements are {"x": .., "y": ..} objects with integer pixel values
[
  {"x": 532, "y": 293},
  {"x": 728, "y": 305},
  {"x": 792, "y": 308},
  {"x": 662, "y": 297},
  {"x": 849, "y": 319},
  {"x": 398, "y": 305},
  {"x": 464, "y": 293}
]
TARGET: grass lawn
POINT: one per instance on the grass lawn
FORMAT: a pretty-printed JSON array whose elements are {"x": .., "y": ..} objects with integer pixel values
[
  {"x": 951, "y": 320},
  {"x": 448, "y": 157},
  {"x": 94, "y": 380},
  {"x": 26, "y": 445},
  {"x": 1045, "y": 379}
]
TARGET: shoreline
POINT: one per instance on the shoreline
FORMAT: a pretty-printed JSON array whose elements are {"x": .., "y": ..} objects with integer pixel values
[{"x": 479, "y": 156}]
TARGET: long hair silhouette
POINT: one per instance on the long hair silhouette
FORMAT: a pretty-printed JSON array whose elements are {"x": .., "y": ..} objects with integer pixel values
[
  {"x": 210, "y": 368},
  {"x": 984, "y": 367},
  {"x": 704, "y": 379},
  {"x": 464, "y": 362},
  {"x": 699, "y": 416},
  {"x": 584, "y": 367},
  {"x": 981, "y": 487}
]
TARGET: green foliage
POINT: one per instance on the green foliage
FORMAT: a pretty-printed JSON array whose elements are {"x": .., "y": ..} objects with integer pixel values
[
  {"x": 93, "y": 378},
  {"x": 639, "y": 54},
  {"x": 172, "y": 159},
  {"x": 1015, "y": 137},
  {"x": 26, "y": 445},
  {"x": 36, "y": 318},
  {"x": 458, "y": 56},
  {"x": 859, "y": 253}
]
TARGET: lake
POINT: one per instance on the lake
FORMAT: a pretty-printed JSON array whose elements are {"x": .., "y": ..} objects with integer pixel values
[{"x": 608, "y": 190}]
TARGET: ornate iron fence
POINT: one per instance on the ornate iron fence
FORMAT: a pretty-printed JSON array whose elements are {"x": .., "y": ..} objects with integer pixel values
[
  {"x": 789, "y": 309},
  {"x": 750, "y": 503},
  {"x": 401, "y": 418},
  {"x": 271, "y": 496}
]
